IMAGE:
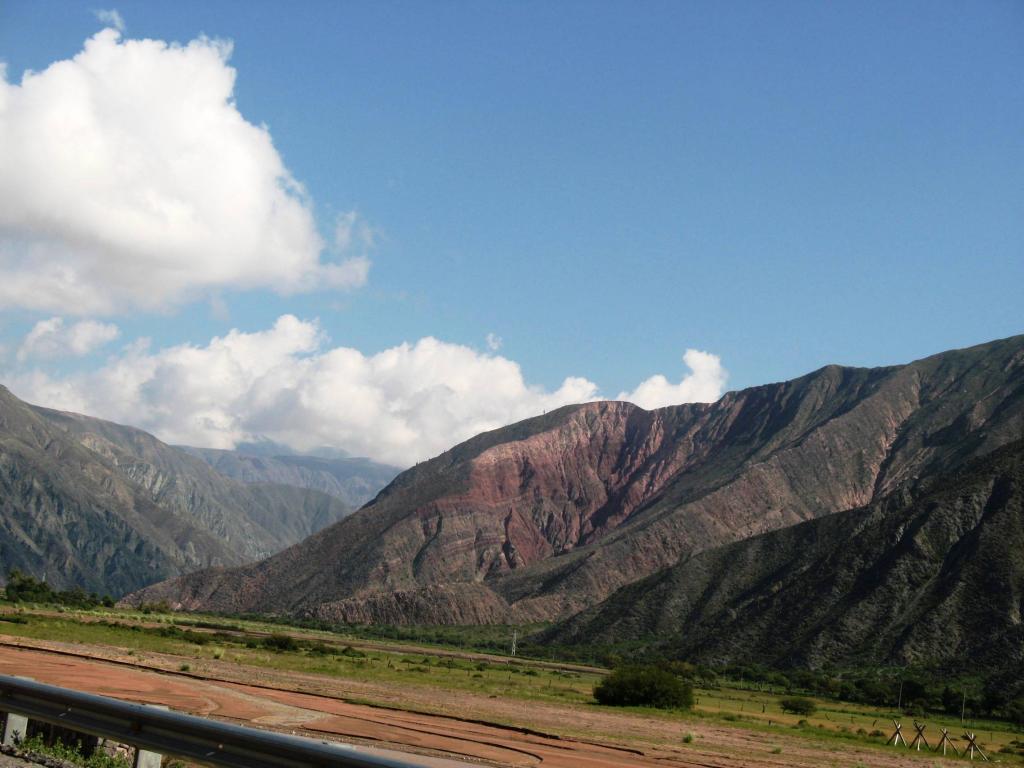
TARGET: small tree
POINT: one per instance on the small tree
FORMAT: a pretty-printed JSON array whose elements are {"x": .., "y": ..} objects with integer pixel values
[
  {"x": 645, "y": 686},
  {"x": 1014, "y": 711},
  {"x": 24, "y": 588},
  {"x": 914, "y": 694},
  {"x": 798, "y": 705}
]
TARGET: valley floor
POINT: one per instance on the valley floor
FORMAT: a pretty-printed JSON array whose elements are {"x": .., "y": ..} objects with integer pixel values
[{"x": 441, "y": 728}]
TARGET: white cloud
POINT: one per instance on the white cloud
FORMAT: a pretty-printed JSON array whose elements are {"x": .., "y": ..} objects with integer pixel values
[
  {"x": 129, "y": 179},
  {"x": 52, "y": 338},
  {"x": 401, "y": 405},
  {"x": 494, "y": 342},
  {"x": 352, "y": 233},
  {"x": 704, "y": 384},
  {"x": 111, "y": 18}
]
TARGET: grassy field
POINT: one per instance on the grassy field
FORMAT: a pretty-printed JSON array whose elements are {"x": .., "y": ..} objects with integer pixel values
[
  {"x": 448, "y": 667},
  {"x": 317, "y": 653}
]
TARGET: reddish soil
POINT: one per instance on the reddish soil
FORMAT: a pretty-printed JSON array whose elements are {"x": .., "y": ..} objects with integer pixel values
[{"x": 557, "y": 736}]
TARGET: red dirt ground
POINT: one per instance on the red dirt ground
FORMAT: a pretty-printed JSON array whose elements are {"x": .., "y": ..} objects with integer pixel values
[{"x": 273, "y": 700}]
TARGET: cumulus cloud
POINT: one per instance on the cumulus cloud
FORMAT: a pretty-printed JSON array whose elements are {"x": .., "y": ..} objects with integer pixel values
[
  {"x": 704, "y": 384},
  {"x": 52, "y": 338},
  {"x": 129, "y": 179},
  {"x": 290, "y": 385},
  {"x": 111, "y": 18},
  {"x": 286, "y": 383},
  {"x": 494, "y": 342}
]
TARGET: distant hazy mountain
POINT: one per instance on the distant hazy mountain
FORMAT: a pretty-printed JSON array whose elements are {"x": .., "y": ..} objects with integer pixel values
[
  {"x": 270, "y": 448},
  {"x": 354, "y": 481},
  {"x": 932, "y": 574},
  {"x": 548, "y": 517},
  {"x": 111, "y": 508}
]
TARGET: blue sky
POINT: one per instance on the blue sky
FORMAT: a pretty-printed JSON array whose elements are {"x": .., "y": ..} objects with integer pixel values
[{"x": 605, "y": 185}]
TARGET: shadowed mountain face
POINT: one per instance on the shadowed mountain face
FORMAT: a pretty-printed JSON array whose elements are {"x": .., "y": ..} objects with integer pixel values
[
  {"x": 927, "y": 575},
  {"x": 547, "y": 517},
  {"x": 110, "y": 508},
  {"x": 355, "y": 481}
]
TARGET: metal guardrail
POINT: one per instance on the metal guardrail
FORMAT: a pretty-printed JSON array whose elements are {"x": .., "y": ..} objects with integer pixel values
[{"x": 176, "y": 734}]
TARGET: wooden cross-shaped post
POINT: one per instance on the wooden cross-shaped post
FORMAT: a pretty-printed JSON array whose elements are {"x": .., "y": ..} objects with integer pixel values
[
  {"x": 946, "y": 742},
  {"x": 919, "y": 739},
  {"x": 897, "y": 736},
  {"x": 973, "y": 745}
]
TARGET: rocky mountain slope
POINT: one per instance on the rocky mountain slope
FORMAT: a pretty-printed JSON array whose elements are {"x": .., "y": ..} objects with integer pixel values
[
  {"x": 550, "y": 516},
  {"x": 353, "y": 480},
  {"x": 89, "y": 503},
  {"x": 932, "y": 574}
]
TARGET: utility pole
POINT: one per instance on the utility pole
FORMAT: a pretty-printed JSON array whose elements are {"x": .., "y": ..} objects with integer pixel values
[
  {"x": 963, "y": 707},
  {"x": 899, "y": 704}
]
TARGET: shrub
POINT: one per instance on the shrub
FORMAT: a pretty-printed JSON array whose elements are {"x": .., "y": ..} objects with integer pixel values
[
  {"x": 646, "y": 686},
  {"x": 798, "y": 705},
  {"x": 24, "y": 588},
  {"x": 70, "y": 754},
  {"x": 280, "y": 643}
]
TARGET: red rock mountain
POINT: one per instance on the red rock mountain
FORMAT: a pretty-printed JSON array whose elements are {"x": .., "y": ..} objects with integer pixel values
[{"x": 544, "y": 518}]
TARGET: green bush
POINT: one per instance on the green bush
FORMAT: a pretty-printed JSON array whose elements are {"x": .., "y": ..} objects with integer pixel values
[
  {"x": 798, "y": 705},
  {"x": 280, "y": 643},
  {"x": 24, "y": 588},
  {"x": 71, "y": 754},
  {"x": 646, "y": 686}
]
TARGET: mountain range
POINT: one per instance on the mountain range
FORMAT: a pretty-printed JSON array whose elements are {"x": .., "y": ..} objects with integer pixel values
[
  {"x": 353, "y": 480},
  {"x": 93, "y": 504},
  {"x": 550, "y": 517}
]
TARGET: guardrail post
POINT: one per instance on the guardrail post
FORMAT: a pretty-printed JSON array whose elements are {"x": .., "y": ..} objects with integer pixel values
[
  {"x": 16, "y": 726},
  {"x": 15, "y": 730},
  {"x": 144, "y": 758}
]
